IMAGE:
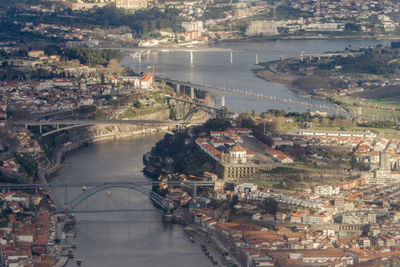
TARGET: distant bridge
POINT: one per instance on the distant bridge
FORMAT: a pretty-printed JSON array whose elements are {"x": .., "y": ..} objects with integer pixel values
[
  {"x": 70, "y": 124},
  {"x": 178, "y": 84},
  {"x": 140, "y": 51}
]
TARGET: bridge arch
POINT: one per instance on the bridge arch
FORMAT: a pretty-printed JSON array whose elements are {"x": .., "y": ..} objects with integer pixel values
[{"x": 159, "y": 200}]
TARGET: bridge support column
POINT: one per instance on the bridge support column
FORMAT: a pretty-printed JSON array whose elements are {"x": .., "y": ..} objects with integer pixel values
[
  {"x": 184, "y": 110},
  {"x": 178, "y": 89},
  {"x": 257, "y": 59},
  {"x": 222, "y": 101},
  {"x": 301, "y": 56},
  {"x": 191, "y": 57},
  {"x": 140, "y": 57},
  {"x": 40, "y": 129},
  {"x": 178, "y": 114},
  {"x": 192, "y": 92},
  {"x": 231, "y": 56}
]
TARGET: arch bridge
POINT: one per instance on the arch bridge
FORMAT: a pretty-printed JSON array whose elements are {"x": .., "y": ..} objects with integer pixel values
[
  {"x": 62, "y": 125},
  {"x": 143, "y": 187},
  {"x": 189, "y": 107},
  {"x": 156, "y": 198}
]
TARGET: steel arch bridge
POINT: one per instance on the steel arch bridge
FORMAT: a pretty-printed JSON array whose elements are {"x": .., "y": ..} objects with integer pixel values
[{"x": 156, "y": 198}]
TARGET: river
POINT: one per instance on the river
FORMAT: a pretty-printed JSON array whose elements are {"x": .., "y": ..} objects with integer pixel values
[
  {"x": 123, "y": 239},
  {"x": 214, "y": 68},
  {"x": 140, "y": 238}
]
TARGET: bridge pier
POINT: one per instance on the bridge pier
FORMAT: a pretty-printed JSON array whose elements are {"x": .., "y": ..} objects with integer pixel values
[
  {"x": 184, "y": 110},
  {"x": 40, "y": 129},
  {"x": 192, "y": 92},
  {"x": 222, "y": 101},
  {"x": 257, "y": 59},
  {"x": 301, "y": 56},
  {"x": 140, "y": 57},
  {"x": 231, "y": 56},
  {"x": 191, "y": 57},
  {"x": 178, "y": 114},
  {"x": 178, "y": 89}
]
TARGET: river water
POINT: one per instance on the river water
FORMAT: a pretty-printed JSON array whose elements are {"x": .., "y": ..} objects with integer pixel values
[
  {"x": 140, "y": 238},
  {"x": 126, "y": 238},
  {"x": 214, "y": 68}
]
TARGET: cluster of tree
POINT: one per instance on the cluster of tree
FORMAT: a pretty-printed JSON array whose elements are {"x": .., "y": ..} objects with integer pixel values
[
  {"x": 258, "y": 130},
  {"x": 28, "y": 165},
  {"x": 269, "y": 205},
  {"x": 8, "y": 73},
  {"x": 4, "y": 216},
  {"x": 9, "y": 31},
  {"x": 286, "y": 12},
  {"x": 220, "y": 123},
  {"x": 215, "y": 12},
  {"x": 217, "y": 124},
  {"x": 140, "y": 22},
  {"x": 379, "y": 61},
  {"x": 378, "y": 124},
  {"x": 352, "y": 27},
  {"x": 174, "y": 153},
  {"x": 92, "y": 57}
]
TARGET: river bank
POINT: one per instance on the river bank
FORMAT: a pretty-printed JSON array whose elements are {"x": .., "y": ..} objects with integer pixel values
[
  {"x": 47, "y": 174},
  {"x": 285, "y": 80},
  {"x": 350, "y": 36},
  {"x": 102, "y": 137}
]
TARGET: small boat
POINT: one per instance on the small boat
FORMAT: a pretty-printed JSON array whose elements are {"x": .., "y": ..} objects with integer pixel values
[{"x": 78, "y": 262}]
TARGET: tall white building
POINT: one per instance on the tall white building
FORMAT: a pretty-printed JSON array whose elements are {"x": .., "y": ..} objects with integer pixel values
[{"x": 193, "y": 26}]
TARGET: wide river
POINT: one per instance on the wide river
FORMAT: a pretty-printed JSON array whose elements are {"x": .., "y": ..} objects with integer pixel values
[
  {"x": 140, "y": 238},
  {"x": 214, "y": 68}
]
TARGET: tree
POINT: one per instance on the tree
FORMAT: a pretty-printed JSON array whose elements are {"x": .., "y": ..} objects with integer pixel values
[
  {"x": 224, "y": 113},
  {"x": 269, "y": 205},
  {"x": 234, "y": 201},
  {"x": 351, "y": 27},
  {"x": 114, "y": 68}
]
